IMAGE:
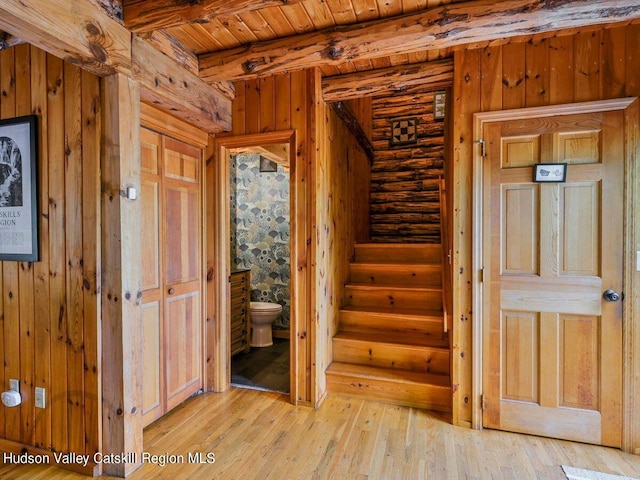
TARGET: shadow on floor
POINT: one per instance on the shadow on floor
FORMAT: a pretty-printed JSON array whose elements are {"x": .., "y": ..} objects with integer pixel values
[{"x": 263, "y": 368}]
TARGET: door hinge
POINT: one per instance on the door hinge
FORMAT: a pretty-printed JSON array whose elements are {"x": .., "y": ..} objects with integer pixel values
[
  {"x": 449, "y": 256},
  {"x": 483, "y": 151},
  {"x": 483, "y": 404},
  {"x": 481, "y": 275}
]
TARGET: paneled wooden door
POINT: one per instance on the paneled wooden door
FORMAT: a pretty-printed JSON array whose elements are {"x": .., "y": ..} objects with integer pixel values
[
  {"x": 552, "y": 345},
  {"x": 171, "y": 298}
]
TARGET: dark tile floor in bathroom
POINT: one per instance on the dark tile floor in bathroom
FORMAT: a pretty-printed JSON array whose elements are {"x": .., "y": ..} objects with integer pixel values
[{"x": 263, "y": 367}]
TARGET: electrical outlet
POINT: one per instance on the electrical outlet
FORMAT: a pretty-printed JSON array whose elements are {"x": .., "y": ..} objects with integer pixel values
[
  {"x": 14, "y": 385},
  {"x": 40, "y": 397}
]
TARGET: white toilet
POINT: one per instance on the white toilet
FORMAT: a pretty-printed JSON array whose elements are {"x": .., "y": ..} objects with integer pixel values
[{"x": 263, "y": 314}]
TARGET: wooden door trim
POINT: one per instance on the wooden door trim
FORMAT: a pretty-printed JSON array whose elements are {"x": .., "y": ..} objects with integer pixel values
[
  {"x": 155, "y": 119},
  {"x": 217, "y": 205},
  {"x": 631, "y": 238}
]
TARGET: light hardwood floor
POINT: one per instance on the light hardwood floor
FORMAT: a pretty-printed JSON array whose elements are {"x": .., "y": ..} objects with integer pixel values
[{"x": 258, "y": 435}]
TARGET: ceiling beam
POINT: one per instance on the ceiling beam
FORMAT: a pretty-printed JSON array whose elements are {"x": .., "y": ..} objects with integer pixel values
[
  {"x": 172, "y": 48},
  {"x": 7, "y": 41},
  {"x": 79, "y": 33},
  {"x": 113, "y": 8},
  {"x": 148, "y": 15},
  {"x": 436, "y": 28},
  {"x": 74, "y": 30},
  {"x": 385, "y": 81},
  {"x": 170, "y": 87}
]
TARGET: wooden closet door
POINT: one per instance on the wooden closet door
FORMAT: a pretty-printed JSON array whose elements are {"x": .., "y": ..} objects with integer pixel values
[
  {"x": 153, "y": 400},
  {"x": 552, "y": 344},
  {"x": 171, "y": 259},
  {"x": 182, "y": 312}
]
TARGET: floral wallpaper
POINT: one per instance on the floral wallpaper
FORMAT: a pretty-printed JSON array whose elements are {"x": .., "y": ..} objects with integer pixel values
[{"x": 260, "y": 231}]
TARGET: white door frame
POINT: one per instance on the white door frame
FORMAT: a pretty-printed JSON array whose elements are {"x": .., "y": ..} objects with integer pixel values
[{"x": 631, "y": 242}]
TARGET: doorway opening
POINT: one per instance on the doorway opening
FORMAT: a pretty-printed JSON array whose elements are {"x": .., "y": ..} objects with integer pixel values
[
  {"x": 225, "y": 290},
  {"x": 260, "y": 266}
]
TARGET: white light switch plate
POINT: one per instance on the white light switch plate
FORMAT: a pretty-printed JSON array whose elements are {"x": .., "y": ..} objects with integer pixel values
[
  {"x": 40, "y": 397},
  {"x": 14, "y": 384}
]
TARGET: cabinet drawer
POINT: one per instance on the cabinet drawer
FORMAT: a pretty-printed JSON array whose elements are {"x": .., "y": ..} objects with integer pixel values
[
  {"x": 238, "y": 290},
  {"x": 239, "y": 318},
  {"x": 239, "y": 321},
  {"x": 239, "y": 346},
  {"x": 239, "y": 279},
  {"x": 239, "y": 302},
  {"x": 238, "y": 329}
]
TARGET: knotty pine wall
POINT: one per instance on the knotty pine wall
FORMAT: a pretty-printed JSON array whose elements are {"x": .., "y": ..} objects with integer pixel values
[
  {"x": 286, "y": 102},
  {"x": 405, "y": 205},
  {"x": 49, "y": 310},
  {"x": 335, "y": 175},
  {"x": 578, "y": 67},
  {"x": 342, "y": 211}
]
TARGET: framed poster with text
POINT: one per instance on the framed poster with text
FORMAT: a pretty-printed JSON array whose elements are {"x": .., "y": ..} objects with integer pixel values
[{"x": 19, "y": 239}]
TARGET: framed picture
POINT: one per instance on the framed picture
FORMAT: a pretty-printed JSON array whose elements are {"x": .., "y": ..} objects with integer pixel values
[
  {"x": 404, "y": 131},
  {"x": 550, "y": 172},
  {"x": 439, "y": 105},
  {"x": 19, "y": 239},
  {"x": 267, "y": 165}
]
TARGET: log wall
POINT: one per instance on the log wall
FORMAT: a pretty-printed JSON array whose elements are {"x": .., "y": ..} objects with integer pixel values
[
  {"x": 404, "y": 179},
  {"x": 50, "y": 310},
  {"x": 592, "y": 65}
]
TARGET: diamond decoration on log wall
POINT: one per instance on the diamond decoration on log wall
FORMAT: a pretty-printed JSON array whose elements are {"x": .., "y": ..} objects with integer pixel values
[{"x": 404, "y": 131}]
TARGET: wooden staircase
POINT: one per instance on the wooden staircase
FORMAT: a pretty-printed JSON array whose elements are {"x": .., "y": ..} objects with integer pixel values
[{"x": 391, "y": 345}]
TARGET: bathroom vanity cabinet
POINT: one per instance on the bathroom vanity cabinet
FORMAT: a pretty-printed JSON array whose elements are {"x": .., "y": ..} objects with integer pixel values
[{"x": 240, "y": 316}]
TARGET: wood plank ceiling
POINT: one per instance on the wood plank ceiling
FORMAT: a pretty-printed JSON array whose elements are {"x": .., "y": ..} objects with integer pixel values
[
  {"x": 358, "y": 45},
  {"x": 233, "y": 39},
  {"x": 295, "y": 17}
]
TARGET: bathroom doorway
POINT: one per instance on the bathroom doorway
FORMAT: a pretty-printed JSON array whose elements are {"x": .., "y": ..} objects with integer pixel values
[
  {"x": 260, "y": 266},
  {"x": 219, "y": 268}
]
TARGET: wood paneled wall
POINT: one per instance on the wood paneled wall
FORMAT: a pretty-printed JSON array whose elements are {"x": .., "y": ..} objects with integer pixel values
[
  {"x": 288, "y": 102},
  {"x": 49, "y": 322},
  {"x": 332, "y": 181},
  {"x": 362, "y": 109},
  {"x": 593, "y": 65},
  {"x": 342, "y": 189},
  {"x": 404, "y": 179}
]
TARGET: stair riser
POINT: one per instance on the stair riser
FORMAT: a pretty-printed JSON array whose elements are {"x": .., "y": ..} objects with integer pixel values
[
  {"x": 405, "y": 254},
  {"x": 409, "y": 394},
  {"x": 395, "y": 298},
  {"x": 419, "y": 275},
  {"x": 405, "y": 357},
  {"x": 364, "y": 320}
]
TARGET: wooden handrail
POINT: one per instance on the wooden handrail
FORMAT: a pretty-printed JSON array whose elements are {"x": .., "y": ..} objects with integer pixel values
[{"x": 446, "y": 254}]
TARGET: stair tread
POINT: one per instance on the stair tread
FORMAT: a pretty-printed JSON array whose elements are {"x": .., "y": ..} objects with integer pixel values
[
  {"x": 369, "y": 286},
  {"x": 404, "y": 246},
  {"x": 409, "y": 312},
  {"x": 403, "y": 266},
  {"x": 409, "y": 339},
  {"x": 389, "y": 374},
  {"x": 399, "y": 253}
]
